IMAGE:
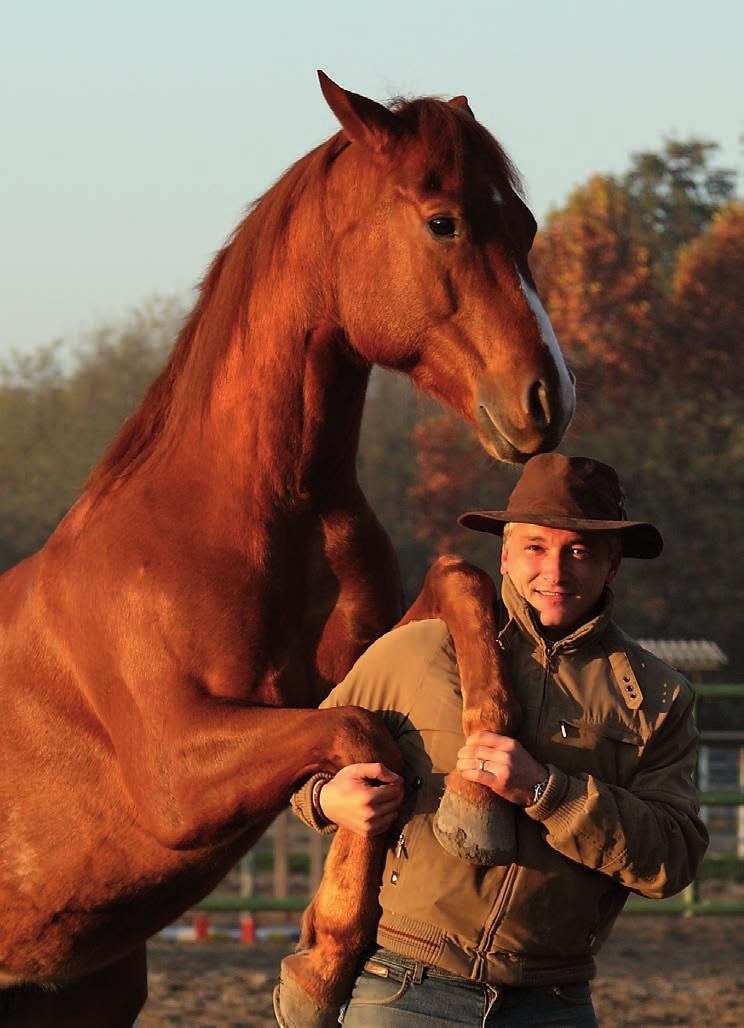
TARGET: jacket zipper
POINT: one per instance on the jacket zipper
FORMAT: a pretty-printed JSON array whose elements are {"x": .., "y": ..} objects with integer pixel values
[
  {"x": 400, "y": 851},
  {"x": 498, "y": 912},
  {"x": 547, "y": 668},
  {"x": 401, "y": 844}
]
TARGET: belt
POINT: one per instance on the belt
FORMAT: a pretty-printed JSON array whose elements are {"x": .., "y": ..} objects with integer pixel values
[{"x": 386, "y": 964}]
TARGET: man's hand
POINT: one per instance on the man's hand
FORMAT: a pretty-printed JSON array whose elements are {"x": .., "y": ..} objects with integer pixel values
[
  {"x": 365, "y": 798},
  {"x": 509, "y": 769}
]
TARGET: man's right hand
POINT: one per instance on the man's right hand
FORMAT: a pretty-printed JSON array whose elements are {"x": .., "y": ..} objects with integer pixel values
[{"x": 365, "y": 798}]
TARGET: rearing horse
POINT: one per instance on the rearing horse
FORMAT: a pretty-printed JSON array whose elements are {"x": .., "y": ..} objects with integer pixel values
[{"x": 223, "y": 565}]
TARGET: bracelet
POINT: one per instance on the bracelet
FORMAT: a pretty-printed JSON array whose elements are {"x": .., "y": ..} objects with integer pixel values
[{"x": 315, "y": 799}]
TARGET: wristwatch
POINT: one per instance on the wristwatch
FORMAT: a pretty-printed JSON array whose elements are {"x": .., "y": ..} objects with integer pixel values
[{"x": 539, "y": 790}]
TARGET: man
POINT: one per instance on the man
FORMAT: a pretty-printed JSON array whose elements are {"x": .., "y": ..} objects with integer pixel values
[{"x": 600, "y": 776}]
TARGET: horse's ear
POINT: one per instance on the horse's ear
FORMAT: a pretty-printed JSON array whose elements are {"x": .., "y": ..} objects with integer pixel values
[
  {"x": 364, "y": 121},
  {"x": 462, "y": 102}
]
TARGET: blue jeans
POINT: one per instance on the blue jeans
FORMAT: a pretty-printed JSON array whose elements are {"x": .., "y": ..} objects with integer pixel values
[{"x": 395, "y": 992}]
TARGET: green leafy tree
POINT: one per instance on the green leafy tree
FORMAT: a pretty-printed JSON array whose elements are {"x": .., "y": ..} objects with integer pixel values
[
  {"x": 56, "y": 421},
  {"x": 674, "y": 194}
]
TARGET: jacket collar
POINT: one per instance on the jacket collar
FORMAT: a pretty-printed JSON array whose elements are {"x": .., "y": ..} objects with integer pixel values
[
  {"x": 520, "y": 612},
  {"x": 600, "y": 628}
]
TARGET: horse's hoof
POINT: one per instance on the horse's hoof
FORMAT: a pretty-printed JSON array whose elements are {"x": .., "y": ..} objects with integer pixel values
[
  {"x": 293, "y": 1008},
  {"x": 480, "y": 833}
]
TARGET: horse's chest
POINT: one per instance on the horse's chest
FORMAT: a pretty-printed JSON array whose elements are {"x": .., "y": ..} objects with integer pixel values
[
  {"x": 285, "y": 628},
  {"x": 352, "y": 591}
]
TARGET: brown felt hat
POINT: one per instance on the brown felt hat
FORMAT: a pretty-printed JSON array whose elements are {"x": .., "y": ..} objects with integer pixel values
[{"x": 574, "y": 493}]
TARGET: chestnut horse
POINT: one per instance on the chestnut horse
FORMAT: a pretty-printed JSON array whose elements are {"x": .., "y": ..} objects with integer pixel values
[{"x": 223, "y": 565}]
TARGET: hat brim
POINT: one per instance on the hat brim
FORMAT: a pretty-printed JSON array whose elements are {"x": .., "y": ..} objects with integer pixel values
[{"x": 637, "y": 538}]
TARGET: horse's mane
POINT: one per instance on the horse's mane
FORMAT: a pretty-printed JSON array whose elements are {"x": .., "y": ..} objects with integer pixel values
[
  {"x": 446, "y": 135},
  {"x": 449, "y": 137}
]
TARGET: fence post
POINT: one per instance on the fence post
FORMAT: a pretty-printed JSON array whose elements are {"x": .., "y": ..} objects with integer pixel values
[
  {"x": 316, "y": 861},
  {"x": 740, "y": 812},
  {"x": 281, "y": 856},
  {"x": 703, "y": 775},
  {"x": 248, "y": 874}
]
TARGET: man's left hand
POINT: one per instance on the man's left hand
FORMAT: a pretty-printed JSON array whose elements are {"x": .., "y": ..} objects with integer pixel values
[{"x": 501, "y": 764}]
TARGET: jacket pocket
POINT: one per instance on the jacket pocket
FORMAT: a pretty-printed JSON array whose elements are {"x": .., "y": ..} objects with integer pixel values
[
  {"x": 557, "y": 908},
  {"x": 619, "y": 733},
  {"x": 608, "y": 750}
]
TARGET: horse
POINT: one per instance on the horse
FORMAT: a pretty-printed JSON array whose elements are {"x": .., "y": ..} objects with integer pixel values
[{"x": 162, "y": 655}]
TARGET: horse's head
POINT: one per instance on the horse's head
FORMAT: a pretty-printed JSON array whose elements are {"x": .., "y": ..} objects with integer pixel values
[{"x": 430, "y": 259}]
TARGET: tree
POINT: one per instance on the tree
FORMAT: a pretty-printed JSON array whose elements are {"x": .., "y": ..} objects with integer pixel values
[
  {"x": 55, "y": 423},
  {"x": 386, "y": 467},
  {"x": 598, "y": 286},
  {"x": 674, "y": 194},
  {"x": 705, "y": 325},
  {"x": 454, "y": 475},
  {"x": 32, "y": 450}
]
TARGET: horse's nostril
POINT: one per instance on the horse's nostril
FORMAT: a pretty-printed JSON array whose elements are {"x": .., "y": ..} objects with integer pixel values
[{"x": 538, "y": 405}]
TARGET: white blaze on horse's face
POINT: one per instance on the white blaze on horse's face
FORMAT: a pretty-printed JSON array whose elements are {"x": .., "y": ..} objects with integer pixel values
[
  {"x": 496, "y": 195},
  {"x": 568, "y": 393}
]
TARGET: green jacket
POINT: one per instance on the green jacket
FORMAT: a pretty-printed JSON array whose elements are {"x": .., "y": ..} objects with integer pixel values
[{"x": 614, "y": 725}]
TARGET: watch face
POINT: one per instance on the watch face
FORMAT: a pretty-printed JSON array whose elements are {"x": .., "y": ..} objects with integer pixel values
[{"x": 539, "y": 790}]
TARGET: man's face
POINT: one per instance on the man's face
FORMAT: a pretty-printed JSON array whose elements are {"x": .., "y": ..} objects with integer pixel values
[{"x": 560, "y": 573}]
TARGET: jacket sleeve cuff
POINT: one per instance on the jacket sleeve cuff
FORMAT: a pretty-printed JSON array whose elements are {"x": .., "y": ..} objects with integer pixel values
[
  {"x": 551, "y": 799},
  {"x": 305, "y": 805}
]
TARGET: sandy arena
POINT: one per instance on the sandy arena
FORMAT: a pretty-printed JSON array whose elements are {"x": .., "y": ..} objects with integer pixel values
[{"x": 661, "y": 970}]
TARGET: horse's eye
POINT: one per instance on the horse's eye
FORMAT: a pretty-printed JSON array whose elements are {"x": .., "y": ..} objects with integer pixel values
[{"x": 443, "y": 226}]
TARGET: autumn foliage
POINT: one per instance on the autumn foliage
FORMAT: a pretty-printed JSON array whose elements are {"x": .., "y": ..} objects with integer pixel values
[
  {"x": 705, "y": 305},
  {"x": 597, "y": 282}
]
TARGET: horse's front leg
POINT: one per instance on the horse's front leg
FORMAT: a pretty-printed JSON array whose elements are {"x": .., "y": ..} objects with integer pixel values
[
  {"x": 472, "y": 823},
  {"x": 259, "y": 756},
  {"x": 337, "y": 927}
]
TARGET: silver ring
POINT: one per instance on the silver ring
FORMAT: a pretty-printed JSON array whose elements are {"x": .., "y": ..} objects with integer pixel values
[{"x": 482, "y": 766}]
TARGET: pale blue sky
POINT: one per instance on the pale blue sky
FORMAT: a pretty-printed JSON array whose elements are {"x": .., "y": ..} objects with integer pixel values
[{"x": 135, "y": 133}]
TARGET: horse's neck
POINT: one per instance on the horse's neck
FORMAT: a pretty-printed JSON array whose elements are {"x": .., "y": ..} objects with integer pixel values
[{"x": 281, "y": 426}]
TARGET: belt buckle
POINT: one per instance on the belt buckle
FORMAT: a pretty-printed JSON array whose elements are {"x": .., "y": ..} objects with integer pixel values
[{"x": 372, "y": 967}]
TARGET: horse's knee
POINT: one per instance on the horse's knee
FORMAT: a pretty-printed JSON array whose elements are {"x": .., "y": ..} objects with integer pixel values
[{"x": 452, "y": 572}]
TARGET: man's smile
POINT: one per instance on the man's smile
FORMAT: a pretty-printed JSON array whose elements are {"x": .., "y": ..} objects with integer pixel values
[
  {"x": 562, "y": 574},
  {"x": 556, "y": 593}
]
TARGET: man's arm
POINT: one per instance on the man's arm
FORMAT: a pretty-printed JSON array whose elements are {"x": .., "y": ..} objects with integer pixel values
[
  {"x": 365, "y": 798},
  {"x": 648, "y": 836}
]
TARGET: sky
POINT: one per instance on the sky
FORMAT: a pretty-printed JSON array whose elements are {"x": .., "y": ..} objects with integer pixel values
[{"x": 135, "y": 134}]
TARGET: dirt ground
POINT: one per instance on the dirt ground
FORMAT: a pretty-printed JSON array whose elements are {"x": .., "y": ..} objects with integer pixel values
[{"x": 661, "y": 970}]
